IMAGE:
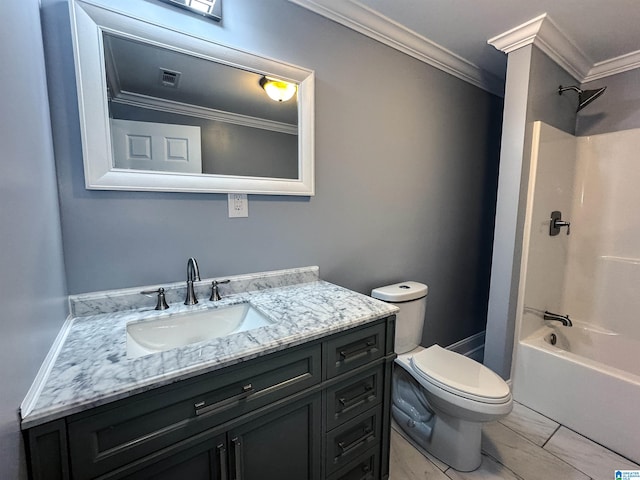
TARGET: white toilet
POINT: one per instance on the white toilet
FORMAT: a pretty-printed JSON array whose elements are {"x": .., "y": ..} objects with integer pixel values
[{"x": 440, "y": 398}]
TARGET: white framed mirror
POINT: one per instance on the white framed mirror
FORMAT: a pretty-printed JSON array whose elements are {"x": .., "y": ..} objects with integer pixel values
[{"x": 162, "y": 110}]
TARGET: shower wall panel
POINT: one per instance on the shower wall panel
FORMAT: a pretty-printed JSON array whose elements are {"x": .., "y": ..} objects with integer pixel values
[
  {"x": 551, "y": 187},
  {"x": 604, "y": 252}
]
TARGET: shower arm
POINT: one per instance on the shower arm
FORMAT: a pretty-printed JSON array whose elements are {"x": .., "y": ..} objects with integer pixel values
[{"x": 585, "y": 97}]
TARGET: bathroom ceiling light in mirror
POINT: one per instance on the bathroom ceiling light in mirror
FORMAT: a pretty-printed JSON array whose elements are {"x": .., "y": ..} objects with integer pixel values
[
  {"x": 278, "y": 90},
  {"x": 160, "y": 109}
]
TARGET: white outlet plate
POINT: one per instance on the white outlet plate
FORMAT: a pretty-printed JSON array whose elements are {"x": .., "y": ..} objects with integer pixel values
[{"x": 238, "y": 205}]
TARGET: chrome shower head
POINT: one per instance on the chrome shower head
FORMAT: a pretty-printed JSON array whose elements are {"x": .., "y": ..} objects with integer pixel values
[{"x": 585, "y": 97}]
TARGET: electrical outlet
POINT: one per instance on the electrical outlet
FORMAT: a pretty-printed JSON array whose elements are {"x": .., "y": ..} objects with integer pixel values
[{"x": 238, "y": 205}]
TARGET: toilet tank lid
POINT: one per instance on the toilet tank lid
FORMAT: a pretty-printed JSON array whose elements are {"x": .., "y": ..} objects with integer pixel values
[{"x": 400, "y": 292}]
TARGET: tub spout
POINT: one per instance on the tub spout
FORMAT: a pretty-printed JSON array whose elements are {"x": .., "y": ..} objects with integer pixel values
[{"x": 564, "y": 319}]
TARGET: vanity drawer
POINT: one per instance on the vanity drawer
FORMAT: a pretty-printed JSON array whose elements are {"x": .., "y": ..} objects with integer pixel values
[
  {"x": 363, "y": 468},
  {"x": 350, "y": 440},
  {"x": 357, "y": 394},
  {"x": 129, "y": 429},
  {"x": 352, "y": 350}
]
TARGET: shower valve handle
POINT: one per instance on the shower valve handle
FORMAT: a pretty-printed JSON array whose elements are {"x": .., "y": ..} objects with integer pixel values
[
  {"x": 561, "y": 223},
  {"x": 557, "y": 222}
]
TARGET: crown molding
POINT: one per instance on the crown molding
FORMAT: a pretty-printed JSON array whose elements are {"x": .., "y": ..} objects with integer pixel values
[
  {"x": 519, "y": 36},
  {"x": 366, "y": 21},
  {"x": 171, "y": 106},
  {"x": 540, "y": 31},
  {"x": 543, "y": 32},
  {"x": 613, "y": 66}
]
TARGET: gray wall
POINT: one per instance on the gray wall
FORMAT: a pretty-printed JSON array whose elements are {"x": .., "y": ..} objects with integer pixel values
[
  {"x": 531, "y": 94},
  {"x": 405, "y": 180},
  {"x": 32, "y": 288},
  {"x": 543, "y": 102},
  {"x": 617, "y": 109}
]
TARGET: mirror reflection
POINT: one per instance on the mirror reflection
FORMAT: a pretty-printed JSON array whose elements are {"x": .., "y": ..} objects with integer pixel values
[
  {"x": 197, "y": 102},
  {"x": 171, "y": 111}
]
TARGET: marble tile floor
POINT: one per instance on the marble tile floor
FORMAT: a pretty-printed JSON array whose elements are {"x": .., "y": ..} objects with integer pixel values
[{"x": 523, "y": 446}]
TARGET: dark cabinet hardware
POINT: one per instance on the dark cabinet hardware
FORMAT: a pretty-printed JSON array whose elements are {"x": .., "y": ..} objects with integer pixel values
[
  {"x": 222, "y": 459},
  {"x": 356, "y": 401},
  {"x": 366, "y": 437},
  {"x": 201, "y": 408},
  {"x": 237, "y": 453}
]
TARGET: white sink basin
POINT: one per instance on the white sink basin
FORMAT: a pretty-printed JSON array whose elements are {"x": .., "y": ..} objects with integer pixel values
[{"x": 164, "y": 333}]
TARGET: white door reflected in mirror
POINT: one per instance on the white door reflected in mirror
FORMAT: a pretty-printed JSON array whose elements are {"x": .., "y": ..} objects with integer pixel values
[{"x": 156, "y": 146}]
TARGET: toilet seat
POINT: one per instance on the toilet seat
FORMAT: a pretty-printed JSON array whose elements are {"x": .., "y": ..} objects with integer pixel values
[{"x": 460, "y": 375}]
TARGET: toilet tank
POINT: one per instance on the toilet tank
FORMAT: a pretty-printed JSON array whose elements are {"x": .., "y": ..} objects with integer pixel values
[{"x": 411, "y": 298}]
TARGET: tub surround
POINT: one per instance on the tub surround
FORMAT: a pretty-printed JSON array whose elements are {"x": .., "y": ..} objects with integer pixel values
[
  {"x": 88, "y": 366},
  {"x": 589, "y": 275}
]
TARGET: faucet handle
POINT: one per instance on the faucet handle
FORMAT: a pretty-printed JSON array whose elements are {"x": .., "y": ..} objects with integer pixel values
[
  {"x": 215, "y": 295},
  {"x": 162, "y": 302}
]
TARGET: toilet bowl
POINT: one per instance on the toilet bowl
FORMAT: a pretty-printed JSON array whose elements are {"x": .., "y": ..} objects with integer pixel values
[{"x": 440, "y": 398}]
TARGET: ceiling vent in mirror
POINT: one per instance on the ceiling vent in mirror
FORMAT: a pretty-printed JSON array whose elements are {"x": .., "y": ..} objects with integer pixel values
[
  {"x": 209, "y": 8},
  {"x": 169, "y": 78}
]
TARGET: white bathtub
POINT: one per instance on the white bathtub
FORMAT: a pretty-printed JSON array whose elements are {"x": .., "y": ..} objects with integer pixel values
[{"x": 588, "y": 381}]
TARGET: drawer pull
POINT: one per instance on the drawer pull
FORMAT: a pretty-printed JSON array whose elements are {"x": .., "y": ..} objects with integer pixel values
[
  {"x": 369, "y": 347},
  {"x": 201, "y": 408},
  {"x": 366, "y": 437},
  {"x": 357, "y": 400}
]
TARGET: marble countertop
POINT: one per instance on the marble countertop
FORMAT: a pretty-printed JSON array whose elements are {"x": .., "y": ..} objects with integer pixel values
[{"x": 88, "y": 366}]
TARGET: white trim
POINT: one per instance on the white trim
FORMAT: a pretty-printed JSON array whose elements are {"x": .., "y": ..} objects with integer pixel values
[
  {"x": 543, "y": 32},
  {"x": 30, "y": 400},
  {"x": 518, "y": 37},
  {"x": 368, "y": 22},
  {"x": 560, "y": 48},
  {"x": 179, "y": 108},
  {"x": 613, "y": 66}
]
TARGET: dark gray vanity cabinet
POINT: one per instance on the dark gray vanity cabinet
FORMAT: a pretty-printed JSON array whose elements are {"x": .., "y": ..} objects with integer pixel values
[
  {"x": 281, "y": 444},
  {"x": 316, "y": 411}
]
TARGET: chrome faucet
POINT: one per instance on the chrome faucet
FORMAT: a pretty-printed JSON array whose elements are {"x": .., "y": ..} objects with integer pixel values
[
  {"x": 193, "y": 275},
  {"x": 564, "y": 319}
]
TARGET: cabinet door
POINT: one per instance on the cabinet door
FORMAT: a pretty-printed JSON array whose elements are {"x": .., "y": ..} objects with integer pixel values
[
  {"x": 284, "y": 444},
  {"x": 204, "y": 461}
]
